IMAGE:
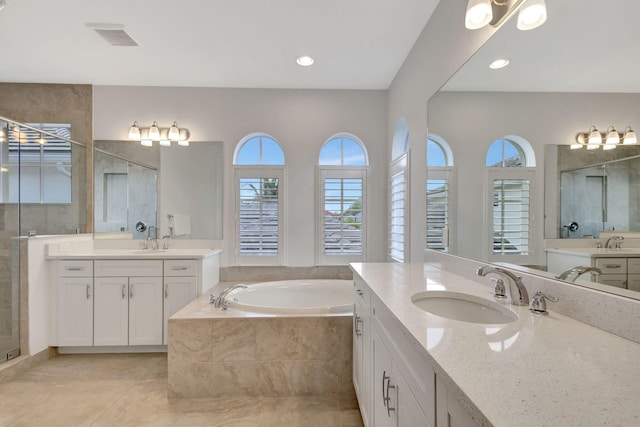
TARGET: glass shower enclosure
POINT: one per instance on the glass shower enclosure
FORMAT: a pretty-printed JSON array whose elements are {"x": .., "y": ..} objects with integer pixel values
[{"x": 42, "y": 192}]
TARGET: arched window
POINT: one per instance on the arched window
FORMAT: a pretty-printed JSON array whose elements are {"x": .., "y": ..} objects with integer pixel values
[
  {"x": 440, "y": 194},
  {"x": 342, "y": 172},
  {"x": 258, "y": 149},
  {"x": 510, "y": 165},
  {"x": 398, "y": 191},
  {"x": 343, "y": 150},
  {"x": 259, "y": 171}
]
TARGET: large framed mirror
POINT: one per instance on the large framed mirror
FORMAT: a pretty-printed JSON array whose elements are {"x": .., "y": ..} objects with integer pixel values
[{"x": 551, "y": 90}]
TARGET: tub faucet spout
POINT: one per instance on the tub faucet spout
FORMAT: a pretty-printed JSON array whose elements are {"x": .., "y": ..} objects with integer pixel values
[
  {"x": 573, "y": 273},
  {"x": 523, "y": 296},
  {"x": 221, "y": 300}
]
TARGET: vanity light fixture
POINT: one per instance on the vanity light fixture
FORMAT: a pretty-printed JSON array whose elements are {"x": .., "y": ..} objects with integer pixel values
[
  {"x": 305, "y": 61},
  {"x": 499, "y": 63},
  {"x": 164, "y": 136},
  {"x": 481, "y": 13},
  {"x": 593, "y": 139}
]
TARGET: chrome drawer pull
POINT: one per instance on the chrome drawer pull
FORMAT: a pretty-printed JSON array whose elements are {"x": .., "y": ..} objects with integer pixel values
[
  {"x": 124, "y": 291},
  {"x": 88, "y": 291},
  {"x": 356, "y": 322},
  {"x": 131, "y": 291},
  {"x": 74, "y": 268},
  {"x": 179, "y": 268},
  {"x": 389, "y": 408},
  {"x": 166, "y": 291},
  {"x": 613, "y": 266}
]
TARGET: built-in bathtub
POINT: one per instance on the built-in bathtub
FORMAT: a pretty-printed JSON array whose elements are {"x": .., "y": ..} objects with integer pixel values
[
  {"x": 285, "y": 338},
  {"x": 313, "y": 296}
]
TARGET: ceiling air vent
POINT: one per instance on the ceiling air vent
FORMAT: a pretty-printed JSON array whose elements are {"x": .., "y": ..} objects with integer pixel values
[{"x": 114, "y": 34}]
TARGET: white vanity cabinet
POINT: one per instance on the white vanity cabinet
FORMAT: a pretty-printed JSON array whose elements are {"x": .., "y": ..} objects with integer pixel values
[
  {"x": 450, "y": 412},
  {"x": 362, "y": 347},
  {"x": 75, "y": 303},
  {"x": 394, "y": 384},
  {"x": 180, "y": 288},
  {"x": 128, "y": 302}
]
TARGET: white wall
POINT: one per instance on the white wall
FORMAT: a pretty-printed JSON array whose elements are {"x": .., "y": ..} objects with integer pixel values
[
  {"x": 442, "y": 48},
  {"x": 470, "y": 122},
  {"x": 301, "y": 120}
]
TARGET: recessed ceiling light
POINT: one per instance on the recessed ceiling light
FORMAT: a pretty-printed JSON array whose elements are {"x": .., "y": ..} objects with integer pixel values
[
  {"x": 499, "y": 63},
  {"x": 305, "y": 61}
]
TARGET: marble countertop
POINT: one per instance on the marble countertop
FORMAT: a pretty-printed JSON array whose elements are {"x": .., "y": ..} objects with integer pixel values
[
  {"x": 539, "y": 370},
  {"x": 598, "y": 253},
  {"x": 57, "y": 251}
]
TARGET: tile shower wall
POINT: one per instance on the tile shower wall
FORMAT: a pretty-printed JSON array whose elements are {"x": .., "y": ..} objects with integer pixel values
[{"x": 307, "y": 356}]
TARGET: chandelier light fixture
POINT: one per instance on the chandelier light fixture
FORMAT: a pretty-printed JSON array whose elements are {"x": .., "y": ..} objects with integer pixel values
[
  {"x": 593, "y": 139},
  {"x": 163, "y": 136},
  {"x": 480, "y": 13}
]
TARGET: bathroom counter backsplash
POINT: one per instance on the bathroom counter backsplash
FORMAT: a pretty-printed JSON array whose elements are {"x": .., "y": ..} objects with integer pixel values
[{"x": 537, "y": 370}]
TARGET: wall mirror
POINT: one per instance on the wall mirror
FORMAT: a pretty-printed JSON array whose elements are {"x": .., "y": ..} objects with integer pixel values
[
  {"x": 550, "y": 91},
  {"x": 160, "y": 183}
]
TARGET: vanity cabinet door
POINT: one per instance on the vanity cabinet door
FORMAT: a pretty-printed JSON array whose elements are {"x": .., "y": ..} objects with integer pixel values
[
  {"x": 617, "y": 280},
  {"x": 449, "y": 411},
  {"x": 75, "y": 311},
  {"x": 145, "y": 310},
  {"x": 362, "y": 349},
  {"x": 633, "y": 282},
  {"x": 382, "y": 416},
  {"x": 178, "y": 292},
  {"x": 111, "y": 311}
]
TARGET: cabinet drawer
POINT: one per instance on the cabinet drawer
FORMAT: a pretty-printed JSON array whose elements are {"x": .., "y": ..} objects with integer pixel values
[
  {"x": 75, "y": 268},
  {"x": 617, "y": 280},
  {"x": 179, "y": 267},
  {"x": 633, "y": 283},
  {"x": 612, "y": 265},
  {"x": 633, "y": 265},
  {"x": 126, "y": 268},
  {"x": 360, "y": 292}
]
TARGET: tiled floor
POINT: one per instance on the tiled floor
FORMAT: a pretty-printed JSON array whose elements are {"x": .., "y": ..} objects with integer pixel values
[{"x": 131, "y": 390}]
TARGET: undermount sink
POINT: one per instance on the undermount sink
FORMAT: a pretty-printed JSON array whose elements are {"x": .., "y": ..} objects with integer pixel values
[{"x": 463, "y": 307}]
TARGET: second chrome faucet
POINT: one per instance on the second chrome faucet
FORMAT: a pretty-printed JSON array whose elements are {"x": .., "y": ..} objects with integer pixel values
[{"x": 522, "y": 295}]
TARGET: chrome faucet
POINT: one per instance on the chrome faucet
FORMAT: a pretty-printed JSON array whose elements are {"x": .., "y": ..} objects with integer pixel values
[
  {"x": 573, "y": 273},
  {"x": 617, "y": 239},
  {"x": 523, "y": 296},
  {"x": 221, "y": 299}
]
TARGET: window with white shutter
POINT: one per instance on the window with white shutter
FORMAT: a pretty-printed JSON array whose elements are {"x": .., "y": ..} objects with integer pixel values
[
  {"x": 440, "y": 195},
  {"x": 259, "y": 181},
  {"x": 398, "y": 207},
  {"x": 509, "y": 202},
  {"x": 342, "y": 173}
]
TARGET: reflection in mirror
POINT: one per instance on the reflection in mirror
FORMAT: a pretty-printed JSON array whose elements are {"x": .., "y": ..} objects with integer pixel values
[
  {"x": 541, "y": 98},
  {"x": 125, "y": 193},
  {"x": 43, "y": 178},
  {"x": 189, "y": 189}
]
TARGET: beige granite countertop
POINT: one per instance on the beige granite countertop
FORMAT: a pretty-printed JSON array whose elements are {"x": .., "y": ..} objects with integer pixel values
[
  {"x": 54, "y": 252},
  {"x": 598, "y": 253},
  {"x": 537, "y": 371}
]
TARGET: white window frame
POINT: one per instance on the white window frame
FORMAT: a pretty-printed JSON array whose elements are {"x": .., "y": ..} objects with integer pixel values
[
  {"x": 447, "y": 173},
  {"x": 497, "y": 173},
  {"x": 398, "y": 243},
  {"x": 261, "y": 172},
  {"x": 324, "y": 172}
]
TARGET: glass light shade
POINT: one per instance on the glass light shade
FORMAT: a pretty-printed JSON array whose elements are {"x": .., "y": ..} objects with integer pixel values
[
  {"x": 592, "y": 147},
  {"x": 608, "y": 147},
  {"x": 532, "y": 14},
  {"x": 595, "y": 138},
  {"x": 154, "y": 132},
  {"x": 629, "y": 137},
  {"x": 576, "y": 146},
  {"x": 613, "y": 137},
  {"x": 146, "y": 142},
  {"x": 174, "y": 132},
  {"x": 580, "y": 139},
  {"x": 134, "y": 132},
  {"x": 478, "y": 15}
]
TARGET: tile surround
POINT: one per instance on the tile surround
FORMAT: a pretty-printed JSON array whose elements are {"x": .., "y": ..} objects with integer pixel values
[{"x": 261, "y": 356}]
